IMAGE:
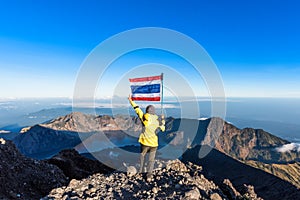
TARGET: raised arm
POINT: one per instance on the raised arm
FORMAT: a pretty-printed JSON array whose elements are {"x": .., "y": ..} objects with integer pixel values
[{"x": 137, "y": 109}]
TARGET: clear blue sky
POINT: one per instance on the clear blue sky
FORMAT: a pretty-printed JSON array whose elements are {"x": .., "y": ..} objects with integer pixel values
[{"x": 255, "y": 44}]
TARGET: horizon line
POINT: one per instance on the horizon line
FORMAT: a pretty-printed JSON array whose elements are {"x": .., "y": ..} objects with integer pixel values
[{"x": 125, "y": 97}]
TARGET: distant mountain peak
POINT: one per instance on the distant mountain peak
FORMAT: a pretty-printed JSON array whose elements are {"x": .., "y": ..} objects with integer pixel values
[
  {"x": 245, "y": 144},
  {"x": 80, "y": 122}
]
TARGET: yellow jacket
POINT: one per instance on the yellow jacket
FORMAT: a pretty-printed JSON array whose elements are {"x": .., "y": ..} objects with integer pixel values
[{"x": 148, "y": 137}]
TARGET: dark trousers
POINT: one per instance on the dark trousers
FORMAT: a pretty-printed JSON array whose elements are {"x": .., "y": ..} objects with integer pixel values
[{"x": 150, "y": 164}]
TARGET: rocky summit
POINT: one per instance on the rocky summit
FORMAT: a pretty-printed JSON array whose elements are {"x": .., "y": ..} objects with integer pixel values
[
  {"x": 174, "y": 181},
  {"x": 26, "y": 178},
  {"x": 68, "y": 175}
]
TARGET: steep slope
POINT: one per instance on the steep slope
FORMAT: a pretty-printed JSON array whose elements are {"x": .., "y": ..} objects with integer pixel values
[
  {"x": 40, "y": 142},
  {"x": 248, "y": 143},
  {"x": 219, "y": 166},
  {"x": 289, "y": 172},
  {"x": 256, "y": 148},
  {"x": 25, "y": 178},
  {"x": 76, "y": 166}
]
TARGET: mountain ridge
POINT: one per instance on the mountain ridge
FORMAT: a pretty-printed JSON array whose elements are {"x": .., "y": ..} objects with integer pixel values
[{"x": 246, "y": 144}]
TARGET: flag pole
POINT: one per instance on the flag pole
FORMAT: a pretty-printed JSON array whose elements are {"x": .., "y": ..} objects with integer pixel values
[{"x": 162, "y": 93}]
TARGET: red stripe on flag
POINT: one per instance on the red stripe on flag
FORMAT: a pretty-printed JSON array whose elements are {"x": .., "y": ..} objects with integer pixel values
[
  {"x": 150, "y": 78},
  {"x": 145, "y": 98}
]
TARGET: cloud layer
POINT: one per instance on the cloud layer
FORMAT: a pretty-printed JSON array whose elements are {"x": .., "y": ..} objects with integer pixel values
[{"x": 289, "y": 147}]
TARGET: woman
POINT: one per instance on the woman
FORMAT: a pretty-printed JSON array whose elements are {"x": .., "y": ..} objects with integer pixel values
[{"x": 148, "y": 138}]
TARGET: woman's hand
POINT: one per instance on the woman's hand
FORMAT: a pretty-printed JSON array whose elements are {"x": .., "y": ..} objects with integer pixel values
[{"x": 130, "y": 97}]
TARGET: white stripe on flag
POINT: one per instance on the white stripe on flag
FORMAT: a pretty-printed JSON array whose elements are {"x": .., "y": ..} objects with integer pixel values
[
  {"x": 146, "y": 95},
  {"x": 146, "y": 82}
]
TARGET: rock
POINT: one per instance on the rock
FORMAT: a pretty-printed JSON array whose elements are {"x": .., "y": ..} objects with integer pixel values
[
  {"x": 160, "y": 165},
  {"x": 177, "y": 186},
  {"x": 155, "y": 190},
  {"x": 59, "y": 190},
  {"x": 250, "y": 193},
  {"x": 131, "y": 171},
  {"x": 93, "y": 190},
  {"x": 2, "y": 141},
  {"x": 176, "y": 165},
  {"x": 179, "y": 182},
  {"x": 73, "y": 182},
  {"x": 229, "y": 189},
  {"x": 193, "y": 194},
  {"x": 215, "y": 196}
]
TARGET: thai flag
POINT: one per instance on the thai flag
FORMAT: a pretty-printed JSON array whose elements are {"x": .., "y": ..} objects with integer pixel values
[{"x": 146, "y": 88}]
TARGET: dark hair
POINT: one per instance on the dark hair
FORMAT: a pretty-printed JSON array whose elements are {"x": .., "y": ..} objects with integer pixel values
[{"x": 150, "y": 109}]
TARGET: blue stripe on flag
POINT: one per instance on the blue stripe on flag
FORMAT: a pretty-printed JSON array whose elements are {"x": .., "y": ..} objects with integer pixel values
[{"x": 145, "y": 89}]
